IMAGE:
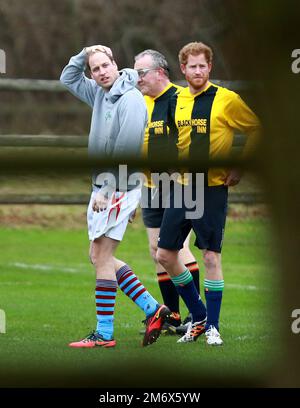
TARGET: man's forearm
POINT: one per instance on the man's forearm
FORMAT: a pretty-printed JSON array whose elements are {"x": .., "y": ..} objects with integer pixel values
[
  {"x": 74, "y": 79},
  {"x": 75, "y": 69}
]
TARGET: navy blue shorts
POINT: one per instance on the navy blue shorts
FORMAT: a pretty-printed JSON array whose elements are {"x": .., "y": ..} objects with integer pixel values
[
  {"x": 152, "y": 217},
  {"x": 209, "y": 229}
]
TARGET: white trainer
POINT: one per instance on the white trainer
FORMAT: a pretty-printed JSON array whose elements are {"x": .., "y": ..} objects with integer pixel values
[
  {"x": 213, "y": 337},
  {"x": 194, "y": 330}
]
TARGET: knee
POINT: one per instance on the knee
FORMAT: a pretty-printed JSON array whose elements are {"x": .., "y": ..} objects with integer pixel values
[
  {"x": 164, "y": 257},
  {"x": 94, "y": 260},
  {"x": 211, "y": 260},
  {"x": 153, "y": 251},
  {"x": 92, "y": 256},
  {"x": 99, "y": 257}
]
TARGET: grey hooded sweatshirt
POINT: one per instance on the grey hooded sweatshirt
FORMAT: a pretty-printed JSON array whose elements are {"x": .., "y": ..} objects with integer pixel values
[{"x": 119, "y": 116}]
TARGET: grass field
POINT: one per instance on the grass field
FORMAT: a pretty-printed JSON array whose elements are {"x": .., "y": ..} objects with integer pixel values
[{"x": 47, "y": 293}]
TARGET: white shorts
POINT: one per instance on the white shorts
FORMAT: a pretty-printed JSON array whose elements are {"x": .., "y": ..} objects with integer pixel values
[{"x": 113, "y": 221}]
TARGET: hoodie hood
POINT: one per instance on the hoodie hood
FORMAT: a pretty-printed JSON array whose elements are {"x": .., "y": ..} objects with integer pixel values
[{"x": 127, "y": 80}]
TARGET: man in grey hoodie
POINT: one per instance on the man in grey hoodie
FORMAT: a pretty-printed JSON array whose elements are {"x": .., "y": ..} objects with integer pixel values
[{"x": 118, "y": 122}]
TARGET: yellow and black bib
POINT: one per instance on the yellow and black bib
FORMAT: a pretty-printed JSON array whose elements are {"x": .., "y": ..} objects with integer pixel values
[
  {"x": 156, "y": 140},
  {"x": 202, "y": 126}
]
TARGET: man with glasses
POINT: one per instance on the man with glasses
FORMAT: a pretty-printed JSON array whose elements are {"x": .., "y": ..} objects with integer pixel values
[{"x": 155, "y": 85}]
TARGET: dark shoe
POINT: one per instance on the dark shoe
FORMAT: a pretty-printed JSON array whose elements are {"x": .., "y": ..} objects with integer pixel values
[
  {"x": 169, "y": 327},
  {"x": 181, "y": 330}
]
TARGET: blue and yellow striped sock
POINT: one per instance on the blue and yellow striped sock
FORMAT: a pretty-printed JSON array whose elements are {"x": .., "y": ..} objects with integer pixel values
[
  {"x": 213, "y": 294},
  {"x": 105, "y": 293},
  {"x": 187, "y": 290}
]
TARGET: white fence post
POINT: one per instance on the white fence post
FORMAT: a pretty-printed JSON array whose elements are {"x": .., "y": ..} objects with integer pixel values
[
  {"x": 2, "y": 62},
  {"x": 2, "y": 322}
]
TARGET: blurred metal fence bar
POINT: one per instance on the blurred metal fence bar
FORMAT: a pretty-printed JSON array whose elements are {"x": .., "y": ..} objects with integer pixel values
[
  {"x": 65, "y": 140},
  {"x": 78, "y": 199},
  {"x": 50, "y": 85}
]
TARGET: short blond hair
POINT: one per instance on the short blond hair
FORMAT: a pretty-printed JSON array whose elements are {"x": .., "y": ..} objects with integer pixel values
[
  {"x": 110, "y": 56},
  {"x": 195, "y": 48}
]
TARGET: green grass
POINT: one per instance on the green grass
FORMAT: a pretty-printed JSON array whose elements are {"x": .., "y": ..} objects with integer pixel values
[{"x": 47, "y": 292}]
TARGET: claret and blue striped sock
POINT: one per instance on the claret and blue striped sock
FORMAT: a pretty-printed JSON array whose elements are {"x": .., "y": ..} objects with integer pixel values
[
  {"x": 105, "y": 293},
  {"x": 187, "y": 290},
  {"x": 213, "y": 294},
  {"x": 133, "y": 288}
]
